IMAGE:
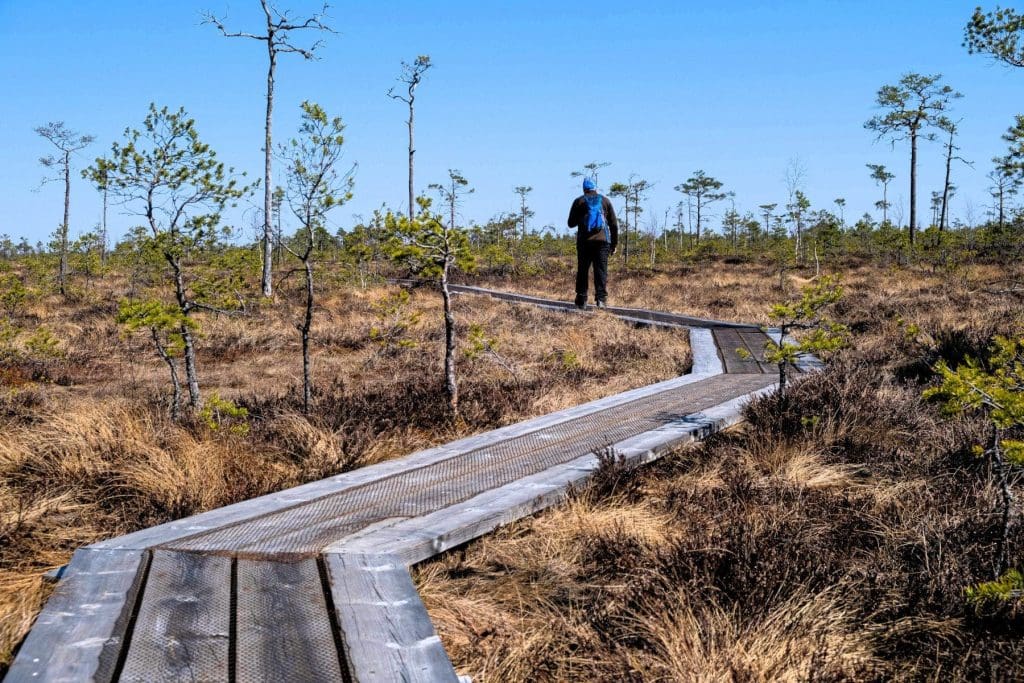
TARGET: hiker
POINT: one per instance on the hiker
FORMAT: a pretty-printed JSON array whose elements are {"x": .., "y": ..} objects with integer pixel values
[{"x": 597, "y": 235}]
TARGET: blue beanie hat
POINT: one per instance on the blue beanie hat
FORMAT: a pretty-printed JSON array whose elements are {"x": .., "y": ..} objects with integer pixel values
[{"x": 588, "y": 184}]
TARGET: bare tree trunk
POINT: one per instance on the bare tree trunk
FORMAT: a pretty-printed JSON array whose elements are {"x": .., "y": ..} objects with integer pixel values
[
  {"x": 412, "y": 151},
  {"x": 191, "y": 374},
  {"x": 913, "y": 186},
  {"x": 625, "y": 235},
  {"x": 451, "y": 209},
  {"x": 698, "y": 217},
  {"x": 62, "y": 274},
  {"x": 451, "y": 387},
  {"x": 799, "y": 246},
  {"x": 522, "y": 211},
  {"x": 268, "y": 253},
  {"x": 945, "y": 187},
  {"x": 307, "y": 323},
  {"x": 175, "y": 382},
  {"x": 103, "y": 230}
]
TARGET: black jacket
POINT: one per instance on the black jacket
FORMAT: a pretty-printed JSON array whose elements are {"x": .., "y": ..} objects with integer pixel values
[{"x": 578, "y": 219}]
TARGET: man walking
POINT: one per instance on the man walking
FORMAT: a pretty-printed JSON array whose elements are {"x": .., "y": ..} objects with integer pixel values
[{"x": 597, "y": 234}]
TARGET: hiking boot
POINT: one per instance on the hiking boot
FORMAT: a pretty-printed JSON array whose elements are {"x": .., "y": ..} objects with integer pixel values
[
  {"x": 581, "y": 303},
  {"x": 602, "y": 304}
]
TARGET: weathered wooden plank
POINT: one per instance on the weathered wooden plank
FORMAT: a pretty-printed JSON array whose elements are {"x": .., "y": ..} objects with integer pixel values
[
  {"x": 754, "y": 342},
  {"x": 182, "y": 629},
  {"x": 256, "y": 507},
  {"x": 79, "y": 634},
  {"x": 419, "y": 538},
  {"x": 284, "y": 630},
  {"x": 706, "y": 361},
  {"x": 732, "y": 346},
  {"x": 636, "y": 313},
  {"x": 727, "y": 345},
  {"x": 646, "y": 447},
  {"x": 386, "y": 631}
]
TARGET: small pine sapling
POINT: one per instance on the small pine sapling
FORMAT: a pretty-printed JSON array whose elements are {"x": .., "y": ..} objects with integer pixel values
[
  {"x": 431, "y": 248},
  {"x": 219, "y": 412},
  {"x": 315, "y": 187},
  {"x": 994, "y": 388},
  {"x": 481, "y": 346},
  {"x": 42, "y": 345},
  {"x": 167, "y": 175},
  {"x": 987, "y": 594},
  {"x": 819, "y": 334},
  {"x": 394, "y": 319},
  {"x": 13, "y": 295}
]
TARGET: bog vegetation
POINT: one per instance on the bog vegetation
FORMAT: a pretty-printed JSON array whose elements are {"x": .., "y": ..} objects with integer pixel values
[{"x": 865, "y": 523}]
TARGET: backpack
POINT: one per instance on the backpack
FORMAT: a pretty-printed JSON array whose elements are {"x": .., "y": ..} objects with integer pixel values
[{"x": 595, "y": 215}]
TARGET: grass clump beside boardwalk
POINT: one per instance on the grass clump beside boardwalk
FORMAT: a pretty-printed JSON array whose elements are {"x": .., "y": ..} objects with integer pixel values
[
  {"x": 88, "y": 450},
  {"x": 844, "y": 534}
]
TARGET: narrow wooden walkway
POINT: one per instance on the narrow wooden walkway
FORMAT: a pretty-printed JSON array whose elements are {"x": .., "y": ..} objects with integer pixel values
[{"x": 311, "y": 583}]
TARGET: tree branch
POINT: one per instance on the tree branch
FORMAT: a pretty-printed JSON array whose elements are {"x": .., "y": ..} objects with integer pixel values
[{"x": 195, "y": 305}]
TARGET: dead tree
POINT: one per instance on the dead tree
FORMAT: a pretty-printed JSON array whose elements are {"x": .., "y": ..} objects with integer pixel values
[
  {"x": 67, "y": 143},
  {"x": 951, "y": 127},
  {"x": 412, "y": 75},
  {"x": 278, "y": 41}
]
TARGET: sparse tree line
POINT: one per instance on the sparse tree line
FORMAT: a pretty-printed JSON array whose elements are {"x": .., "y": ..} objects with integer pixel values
[{"x": 183, "y": 263}]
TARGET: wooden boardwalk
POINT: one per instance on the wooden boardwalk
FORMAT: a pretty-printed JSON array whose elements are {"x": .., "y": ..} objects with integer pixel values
[{"x": 311, "y": 583}]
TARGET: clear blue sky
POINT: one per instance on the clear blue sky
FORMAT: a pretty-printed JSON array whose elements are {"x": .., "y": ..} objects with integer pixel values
[{"x": 521, "y": 94}]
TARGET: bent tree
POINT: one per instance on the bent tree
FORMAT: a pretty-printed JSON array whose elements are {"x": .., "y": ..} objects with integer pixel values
[
  {"x": 430, "y": 247},
  {"x": 174, "y": 181},
  {"x": 315, "y": 186},
  {"x": 278, "y": 39},
  {"x": 164, "y": 323}
]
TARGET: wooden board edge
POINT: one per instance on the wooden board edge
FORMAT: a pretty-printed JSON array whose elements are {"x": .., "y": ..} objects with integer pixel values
[
  {"x": 92, "y": 606},
  {"x": 384, "y": 640}
]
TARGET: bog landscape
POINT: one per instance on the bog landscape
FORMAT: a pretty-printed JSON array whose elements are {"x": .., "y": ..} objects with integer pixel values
[{"x": 206, "y": 334}]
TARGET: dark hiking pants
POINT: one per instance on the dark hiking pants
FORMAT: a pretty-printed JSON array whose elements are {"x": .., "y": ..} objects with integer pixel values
[{"x": 591, "y": 254}]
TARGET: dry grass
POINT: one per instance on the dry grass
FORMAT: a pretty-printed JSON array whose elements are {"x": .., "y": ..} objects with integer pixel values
[
  {"x": 87, "y": 451},
  {"x": 807, "y": 635},
  {"x": 829, "y": 539}
]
